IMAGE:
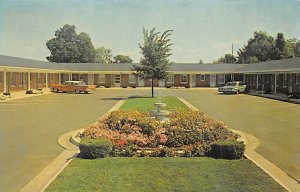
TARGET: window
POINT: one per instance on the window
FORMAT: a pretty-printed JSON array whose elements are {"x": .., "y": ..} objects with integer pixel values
[
  {"x": 132, "y": 78},
  {"x": 183, "y": 78},
  {"x": 170, "y": 79},
  {"x": 284, "y": 79},
  {"x": 202, "y": 77},
  {"x": 221, "y": 79},
  {"x": 101, "y": 78}
]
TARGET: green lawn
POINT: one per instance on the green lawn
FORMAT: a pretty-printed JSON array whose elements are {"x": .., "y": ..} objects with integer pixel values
[
  {"x": 163, "y": 174},
  {"x": 147, "y": 103}
]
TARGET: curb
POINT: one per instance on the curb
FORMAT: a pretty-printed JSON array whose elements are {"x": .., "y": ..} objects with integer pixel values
[
  {"x": 21, "y": 95},
  {"x": 75, "y": 140},
  {"x": 251, "y": 142}
]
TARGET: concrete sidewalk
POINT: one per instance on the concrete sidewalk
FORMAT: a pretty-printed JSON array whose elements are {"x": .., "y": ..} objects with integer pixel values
[
  {"x": 277, "y": 97},
  {"x": 23, "y": 95}
]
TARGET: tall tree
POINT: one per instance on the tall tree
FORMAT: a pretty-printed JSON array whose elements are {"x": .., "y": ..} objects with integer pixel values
[
  {"x": 122, "y": 59},
  {"x": 103, "y": 55},
  {"x": 69, "y": 47},
  {"x": 261, "y": 46},
  {"x": 155, "y": 61},
  {"x": 297, "y": 49},
  {"x": 200, "y": 61}
]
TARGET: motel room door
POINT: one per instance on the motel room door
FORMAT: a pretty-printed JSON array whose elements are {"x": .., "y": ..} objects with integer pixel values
[
  {"x": 212, "y": 80},
  {"x": 117, "y": 80},
  {"x": 193, "y": 80},
  {"x": 161, "y": 83},
  {"x": 141, "y": 82},
  {"x": 91, "y": 79}
]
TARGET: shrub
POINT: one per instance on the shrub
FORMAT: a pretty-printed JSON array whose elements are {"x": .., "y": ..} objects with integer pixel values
[
  {"x": 227, "y": 149},
  {"x": 95, "y": 148}
]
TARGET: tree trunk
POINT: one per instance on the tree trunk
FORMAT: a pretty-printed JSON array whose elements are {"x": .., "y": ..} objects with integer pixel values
[{"x": 152, "y": 88}]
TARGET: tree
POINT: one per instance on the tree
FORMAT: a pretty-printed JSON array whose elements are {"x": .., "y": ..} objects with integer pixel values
[
  {"x": 228, "y": 58},
  {"x": 297, "y": 49},
  {"x": 68, "y": 47},
  {"x": 103, "y": 55},
  {"x": 200, "y": 61},
  {"x": 156, "y": 51},
  {"x": 261, "y": 46},
  {"x": 85, "y": 48},
  {"x": 122, "y": 59}
]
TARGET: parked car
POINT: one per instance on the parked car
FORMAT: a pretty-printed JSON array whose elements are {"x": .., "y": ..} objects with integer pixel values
[
  {"x": 73, "y": 86},
  {"x": 233, "y": 87}
]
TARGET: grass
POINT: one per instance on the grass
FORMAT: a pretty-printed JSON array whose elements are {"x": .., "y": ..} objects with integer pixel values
[
  {"x": 147, "y": 103},
  {"x": 163, "y": 174}
]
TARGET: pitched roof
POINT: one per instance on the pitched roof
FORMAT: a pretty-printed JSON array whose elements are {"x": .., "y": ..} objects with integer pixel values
[
  {"x": 114, "y": 67},
  {"x": 287, "y": 65}
]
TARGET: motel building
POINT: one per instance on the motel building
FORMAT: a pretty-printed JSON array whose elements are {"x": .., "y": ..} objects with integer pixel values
[{"x": 277, "y": 77}]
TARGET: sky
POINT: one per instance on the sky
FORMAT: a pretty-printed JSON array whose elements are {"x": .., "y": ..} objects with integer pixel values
[{"x": 203, "y": 29}]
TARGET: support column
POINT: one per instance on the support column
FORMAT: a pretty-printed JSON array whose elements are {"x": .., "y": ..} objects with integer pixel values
[
  {"x": 275, "y": 83},
  {"x": 47, "y": 81},
  {"x": 59, "y": 78},
  {"x": 244, "y": 78},
  {"x": 231, "y": 77},
  {"x": 28, "y": 80},
  {"x": 256, "y": 81},
  {"x": 69, "y": 76},
  {"x": 4, "y": 81},
  {"x": 190, "y": 80}
]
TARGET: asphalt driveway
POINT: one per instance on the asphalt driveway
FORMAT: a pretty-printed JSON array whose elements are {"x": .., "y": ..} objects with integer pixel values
[{"x": 29, "y": 128}]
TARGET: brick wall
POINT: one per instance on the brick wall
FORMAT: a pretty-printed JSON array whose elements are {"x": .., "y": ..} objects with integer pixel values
[{"x": 200, "y": 83}]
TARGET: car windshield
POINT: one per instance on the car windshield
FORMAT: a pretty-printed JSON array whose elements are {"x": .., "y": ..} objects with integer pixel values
[{"x": 231, "y": 84}]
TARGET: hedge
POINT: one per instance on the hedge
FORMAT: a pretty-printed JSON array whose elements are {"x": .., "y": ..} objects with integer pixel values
[
  {"x": 227, "y": 149},
  {"x": 95, "y": 148}
]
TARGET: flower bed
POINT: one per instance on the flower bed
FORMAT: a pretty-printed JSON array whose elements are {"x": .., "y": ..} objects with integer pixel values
[{"x": 134, "y": 133}]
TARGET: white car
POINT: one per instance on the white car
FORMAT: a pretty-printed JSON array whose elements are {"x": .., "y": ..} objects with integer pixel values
[{"x": 233, "y": 87}]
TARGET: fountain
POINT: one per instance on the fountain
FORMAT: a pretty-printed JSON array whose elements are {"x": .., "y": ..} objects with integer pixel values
[{"x": 161, "y": 115}]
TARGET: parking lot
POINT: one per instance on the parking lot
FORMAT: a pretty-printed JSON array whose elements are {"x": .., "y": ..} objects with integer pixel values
[{"x": 30, "y": 127}]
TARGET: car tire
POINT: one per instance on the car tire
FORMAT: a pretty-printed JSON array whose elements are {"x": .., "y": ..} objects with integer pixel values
[
  {"x": 55, "y": 90},
  {"x": 77, "y": 91}
]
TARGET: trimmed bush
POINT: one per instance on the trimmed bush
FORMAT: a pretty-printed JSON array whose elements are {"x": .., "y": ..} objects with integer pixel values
[
  {"x": 227, "y": 149},
  {"x": 95, "y": 148}
]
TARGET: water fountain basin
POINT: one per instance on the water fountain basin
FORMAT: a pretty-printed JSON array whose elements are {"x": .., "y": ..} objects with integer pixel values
[{"x": 161, "y": 115}]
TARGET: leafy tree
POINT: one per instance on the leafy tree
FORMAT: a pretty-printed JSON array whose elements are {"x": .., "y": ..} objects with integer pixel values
[
  {"x": 228, "y": 58},
  {"x": 103, "y": 55},
  {"x": 297, "y": 49},
  {"x": 200, "y": 61},
  {"x": 69, "y": 47},
  {"x": 283, "y": 49},
  {"x": 86, "y": 48},
  {"x": 261, "y": 46},
  {"x": 122, "y": 59},
  {"x": 280, "y": 46},
  {"x": 156, "y": 51}
]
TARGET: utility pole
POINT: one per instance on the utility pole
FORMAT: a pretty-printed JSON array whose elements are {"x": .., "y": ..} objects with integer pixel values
[{"x": 232, "y": 53}]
